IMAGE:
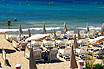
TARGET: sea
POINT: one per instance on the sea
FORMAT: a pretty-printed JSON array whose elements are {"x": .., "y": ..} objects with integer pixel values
[{"x": 31, "y": 14}]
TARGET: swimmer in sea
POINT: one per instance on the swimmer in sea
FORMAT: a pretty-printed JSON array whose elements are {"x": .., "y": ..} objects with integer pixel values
[{"x": 15, "y": 20}]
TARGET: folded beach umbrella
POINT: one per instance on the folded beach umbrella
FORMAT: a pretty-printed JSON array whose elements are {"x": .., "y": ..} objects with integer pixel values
[
  {"x": 87, "y": 28},
  {"x": 73, "y": 63},
  {"x": 44, "y": 30},
  {"x": 20, "y": 30},
  {"x": 29, "y": 32},
  {"x": 65, "y": 28},
  {"x": 75, "y": 42},
  {"x": 32, "y": 63},
  {"x": 78, "y": 35},
  {"x": 102, "y": 30},
  {"x": 55, "y": 37}
]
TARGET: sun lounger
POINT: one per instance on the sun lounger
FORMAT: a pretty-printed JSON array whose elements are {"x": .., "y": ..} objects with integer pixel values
[
  {"x": 22, "y": 45},
  {"x": 58, "y": 34},
  {"x": 48, "y": 37},
  {"x": 15, "y": 43},
  {"x": 99, "y": 53},
  {"x": 91, "y": 34},
  {"x": 35, "y": 43},
  {"x": 67, "y": 52},
  {"x": 37, "y": 55},
  {"x": 70, "y": 34},
  {"x": 62, "y": 44},
  {"x": 53, "y": 54},
  {"x": 36, "y": 52},
  {"x": 49, "y": 45},
  {"x": 82, "y": 34},
  {"x": 27, "y": 52},
  {"x": 10, "y": 37},
  {"x": 84, "y": 42},
  {"x": 83, "y": 51}
]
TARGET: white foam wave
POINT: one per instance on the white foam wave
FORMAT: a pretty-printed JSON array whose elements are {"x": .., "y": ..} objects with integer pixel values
[
  {"x": 91, "y": 28},
  {"x": 50, "y": 28}
]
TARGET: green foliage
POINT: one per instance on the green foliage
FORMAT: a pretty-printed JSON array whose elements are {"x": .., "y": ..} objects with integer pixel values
[
  {"x": 87, "y": 64},
  {"x": 98, "y": 66}
]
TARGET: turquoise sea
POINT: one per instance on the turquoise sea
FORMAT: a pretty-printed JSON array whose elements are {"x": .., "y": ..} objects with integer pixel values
[{"x": 32, "y": 14}]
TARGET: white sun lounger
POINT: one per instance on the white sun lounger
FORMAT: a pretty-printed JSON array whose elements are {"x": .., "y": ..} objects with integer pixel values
[
  {"x": 58, "y": 34},
  {"x": 67, "y": 52},
  {"x": 70, "y": 34},
  {"x": 53, "y": 54},
  {"x": 37, "y": 55},
  {"x": 82, "y": 34}
]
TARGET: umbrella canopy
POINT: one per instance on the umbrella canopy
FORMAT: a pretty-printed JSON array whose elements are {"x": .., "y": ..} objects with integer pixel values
[
  {"x": 37, "y": 37},
  {"x": 78, "y": 35},
  {"x": 65, "y": 28},
  {"x": 73, "y": 62},
  {"x": 32, "y": 63},
  {"x": 20, "y": 29},
  {"x": 44, "y": 30},
  {"x": 29, "y": 32},
  {"x": 75, "y": 42},
  {"x": 87, "y": 28},
  {"x": 55, "y": 37}
]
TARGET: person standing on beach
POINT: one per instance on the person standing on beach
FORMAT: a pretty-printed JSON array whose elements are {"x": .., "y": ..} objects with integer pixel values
[{"x": 9, "y": 22}]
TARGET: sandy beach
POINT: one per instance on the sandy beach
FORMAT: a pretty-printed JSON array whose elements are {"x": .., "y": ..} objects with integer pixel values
[
  {"x": 50, "y": 32},
  {"x": 17, "y": 57}
]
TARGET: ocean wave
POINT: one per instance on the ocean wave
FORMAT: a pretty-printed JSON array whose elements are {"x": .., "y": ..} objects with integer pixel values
[
  {"x": 50, "y": 28},
  {"x": 91, "y": 28}
]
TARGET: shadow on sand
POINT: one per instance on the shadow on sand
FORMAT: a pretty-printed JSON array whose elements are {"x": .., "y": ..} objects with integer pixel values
[
  {"x": 8, "y": 51},
  {"x": 7, "y": 63},
  {"x": 46, "y": 61}
]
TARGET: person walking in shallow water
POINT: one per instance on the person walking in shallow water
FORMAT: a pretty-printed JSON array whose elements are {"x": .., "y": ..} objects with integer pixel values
[
  {"x": 15, "y": 20},
  {"x": 9, "y": 22}
]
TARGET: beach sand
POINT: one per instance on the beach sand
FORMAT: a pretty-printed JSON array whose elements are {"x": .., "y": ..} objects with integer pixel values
[{"x": 16, "y": 57}]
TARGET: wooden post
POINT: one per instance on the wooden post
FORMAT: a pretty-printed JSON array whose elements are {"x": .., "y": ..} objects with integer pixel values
[{"x": 4, "y": 56}]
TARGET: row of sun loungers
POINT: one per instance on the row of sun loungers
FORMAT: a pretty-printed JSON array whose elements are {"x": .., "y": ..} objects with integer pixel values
[{"x": 54, "y": 47}]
